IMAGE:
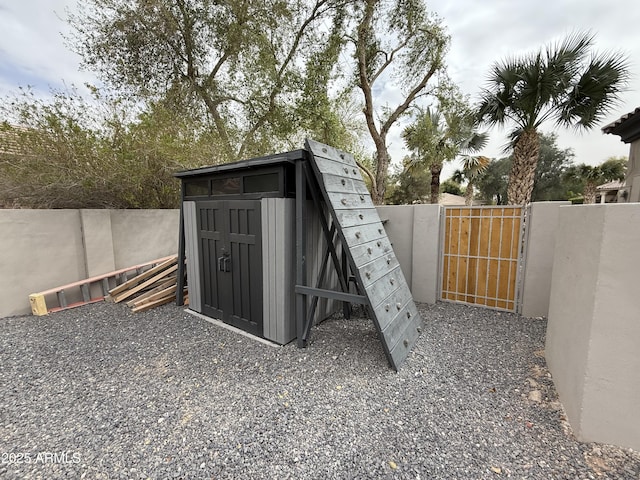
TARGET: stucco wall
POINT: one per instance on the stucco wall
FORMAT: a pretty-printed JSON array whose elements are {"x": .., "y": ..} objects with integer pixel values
[
  {"x": 541, "y": 244},
  {"x": 43, "y": 249},
  {"x": 414, "y": 231},
  {"x": 39, "y": 249},
  {"x": 593, "y": 331},
  {"x": 143, "y": 235},
  {"x": 426, "y": 253},
  {"x": 633, "y": 172},
  {"x": 399, "y": 228}
]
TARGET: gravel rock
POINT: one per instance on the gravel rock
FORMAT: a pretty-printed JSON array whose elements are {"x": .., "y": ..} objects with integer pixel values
[{"x": 99, "y": 392}]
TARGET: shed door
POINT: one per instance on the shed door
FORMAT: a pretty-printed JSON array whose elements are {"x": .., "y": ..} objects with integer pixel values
[{"x": 230, "y": 239}]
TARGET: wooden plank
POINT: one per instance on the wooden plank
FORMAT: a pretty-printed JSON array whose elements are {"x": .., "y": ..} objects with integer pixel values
[
  {"x": 156, "y": 296},
  {"x": 359, "y": 234},
  {"x": 364, "y": 216},
  {"x": 408, "y": 340},
  {"x": 392, "y": 306},
  {"x": 398, "y": 329},
  {"x": 382, "y": 288},
  {"x": 377, "y": 268},
  {"x": 152, "y": 271},
  {"x": 151, "y": 281},
  {"x": 344, "y": 184},
  {"x": 38, "y": 304},
  {"x": 342, "y": 200},
  {"x": 173, "y": 280},
  {"x": 157, "y": 303},
  {"x": 504, "y": 283},
  {"x": 366, "y": 252},
  {"x": 463, "y": 254},
  {"x": 446, "y": 256},
  {"x": 321, "y": 152},
  {"x": 338, "y": 169}
]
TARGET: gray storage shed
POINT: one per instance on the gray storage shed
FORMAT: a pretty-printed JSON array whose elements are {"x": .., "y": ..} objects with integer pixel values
[{"x": 260, "y": 237}]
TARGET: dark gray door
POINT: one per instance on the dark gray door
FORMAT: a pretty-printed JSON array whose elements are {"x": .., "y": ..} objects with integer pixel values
[
  {"x": 231, "y": 262},
  {"x": 211, "y": 239}
]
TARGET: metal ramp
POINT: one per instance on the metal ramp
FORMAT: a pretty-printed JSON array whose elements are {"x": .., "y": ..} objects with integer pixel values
[{"x": 367, "y": 256}]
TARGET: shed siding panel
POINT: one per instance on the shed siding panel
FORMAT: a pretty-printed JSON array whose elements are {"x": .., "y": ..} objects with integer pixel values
[
  {"x": 289, "y": 252},
  {"x": 278, "y": 264},
  {"x": 191, "y": 252}
]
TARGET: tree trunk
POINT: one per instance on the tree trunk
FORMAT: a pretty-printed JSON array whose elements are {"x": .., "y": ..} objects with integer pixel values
[
  {"x": 523, "y": 168},
  {"x": 589, "y": 193},
  {"x": 382, "y": 167},
  {"x": 468, "y": 195},
  {"x": 436, "y": 169}
]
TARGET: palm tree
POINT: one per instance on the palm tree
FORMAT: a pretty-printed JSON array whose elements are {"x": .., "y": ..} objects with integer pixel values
[
  {"x": 591, "y": 177},
  {"x": 436, "y": 137},
  {"x": 472, "y": 168},
  {"x": 564, "y": 82}
]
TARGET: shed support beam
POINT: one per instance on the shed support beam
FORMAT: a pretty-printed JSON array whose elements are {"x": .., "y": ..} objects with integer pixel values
[
  {"x": 333, "y": 294},
  {"x": 181, "y": 252},
  {"x": 301, "y": 249}
]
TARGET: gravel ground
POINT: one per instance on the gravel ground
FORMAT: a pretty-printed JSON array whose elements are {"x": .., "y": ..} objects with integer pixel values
[{"x": 99, "y": 392}]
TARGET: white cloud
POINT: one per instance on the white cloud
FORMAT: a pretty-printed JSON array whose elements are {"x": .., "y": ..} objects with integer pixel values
[{"x": 32, "y": 49}]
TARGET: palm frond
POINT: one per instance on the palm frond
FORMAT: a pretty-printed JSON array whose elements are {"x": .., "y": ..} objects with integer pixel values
[
  {"x": 475, "y": 142},
  {"x": 559, "y": 81},
  {"x": 595, "y": 93}
]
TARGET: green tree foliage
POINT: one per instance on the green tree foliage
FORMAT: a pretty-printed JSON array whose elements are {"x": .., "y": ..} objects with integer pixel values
[
  {"x": 452, "y": 187},
  {"x": 70, "y": 154},
  {"x": 400, "y": 41},
  {"x": 409, "y": 185},
  {"x": 549, "y": 183},
  {"x": 565, "y": 82},
  {"x": 439, "y": 136},
  {"x": 553, "y": 161},
  {"x": 492, "y": 183},
  {"x": 472, "y": 169},
  {"x": 589, "y": 176},
  {"x": 247, "y": 67}
]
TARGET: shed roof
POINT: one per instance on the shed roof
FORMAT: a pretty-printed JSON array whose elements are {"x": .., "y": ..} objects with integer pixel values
[
  {"x": 277, "y": 159},
  {"x": 627, "y": 126}
]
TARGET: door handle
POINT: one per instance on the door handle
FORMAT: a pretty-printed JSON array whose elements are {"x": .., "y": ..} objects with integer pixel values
[{"x": 224, "y": 263}]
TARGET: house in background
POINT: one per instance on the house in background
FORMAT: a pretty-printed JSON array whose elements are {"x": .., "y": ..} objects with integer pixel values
[
  {"x": 627, "y": 128},
  {"x": 448, "y": 199},
  {"x": 611, "y": 192}
]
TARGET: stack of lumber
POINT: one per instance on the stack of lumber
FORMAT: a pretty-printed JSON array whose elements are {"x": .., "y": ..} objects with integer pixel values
[
  {"x": 83, "y": 292},
  {"x": 150, "y": 289}
]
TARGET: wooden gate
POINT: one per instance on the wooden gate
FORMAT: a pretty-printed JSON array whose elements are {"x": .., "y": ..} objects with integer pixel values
[{"x": 481, "y": 251}]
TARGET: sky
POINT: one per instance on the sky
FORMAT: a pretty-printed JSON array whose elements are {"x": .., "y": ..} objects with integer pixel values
[{"x": 33, "y": 52}]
